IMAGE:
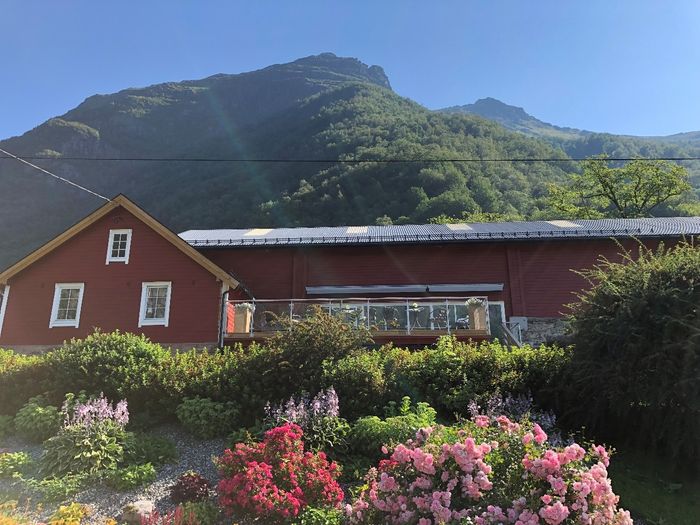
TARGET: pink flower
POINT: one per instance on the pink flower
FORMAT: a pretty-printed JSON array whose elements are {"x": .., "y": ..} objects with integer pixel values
[
  {"x": 554, "y": 514},
  {"x": 540, "y": 436},
  {"x": 482, "y": 421}
]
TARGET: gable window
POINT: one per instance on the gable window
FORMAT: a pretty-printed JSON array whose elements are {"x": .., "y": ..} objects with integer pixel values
[
  {"x": 155, "y": 304},
  {"x": 67, "y": 302},
  {"x": 4, "y": 295},
  {"x": 119, "y": 246}
]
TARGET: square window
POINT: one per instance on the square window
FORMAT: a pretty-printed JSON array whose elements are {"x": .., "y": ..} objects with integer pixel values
[
  {"x": 119, "y": 246},
  {"x": 155, "y": 304},
  {"x": 67, "y": 303}
]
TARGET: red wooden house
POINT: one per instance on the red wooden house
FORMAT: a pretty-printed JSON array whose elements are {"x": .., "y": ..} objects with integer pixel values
[{"x": 121, "y": 269}]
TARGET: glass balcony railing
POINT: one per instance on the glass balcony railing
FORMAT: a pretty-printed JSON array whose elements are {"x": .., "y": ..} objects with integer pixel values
[{"x": 386, "y": 315}]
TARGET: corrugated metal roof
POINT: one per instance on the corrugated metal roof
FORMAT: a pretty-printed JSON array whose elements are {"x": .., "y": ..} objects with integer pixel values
[{"x": 426, "y": 233}]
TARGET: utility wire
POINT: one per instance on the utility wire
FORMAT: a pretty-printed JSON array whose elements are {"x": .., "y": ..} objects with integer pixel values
[
  {"x": 335, "y": 161},
  {"x": 62, "y": 179}
]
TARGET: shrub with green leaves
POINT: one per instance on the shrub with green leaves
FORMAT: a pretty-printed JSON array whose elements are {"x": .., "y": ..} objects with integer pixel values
[
  {"x": 7, "y": 426},
  {"x": 120, "y": 365},
  {"x": 21, "y": 377},
  {"x": 635, "y": 371},
  {"x": 319, "y": 516},
  {"x": 147, "y": 448},
  {"x": 80, "y": 449},
  {"x": 54, "y": 488},
  {"x": 37, "y": 420},
  {"x": 130, "y": 477},
  {"x": 369, "y": 434},
  {"x": 13, "y": 462},
  {"x": 206, "y": 418}
]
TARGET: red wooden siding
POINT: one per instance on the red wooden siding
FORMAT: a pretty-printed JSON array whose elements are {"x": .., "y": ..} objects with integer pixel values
[
  {"x": 537, "y": 276},
  {"x": 112, "y": 293}
]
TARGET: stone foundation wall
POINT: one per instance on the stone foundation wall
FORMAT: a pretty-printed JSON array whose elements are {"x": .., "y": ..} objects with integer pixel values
[{"x": 544, "y": 330}]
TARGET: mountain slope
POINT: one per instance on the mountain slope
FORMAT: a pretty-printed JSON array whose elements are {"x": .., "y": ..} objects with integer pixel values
[
  {"x": 581, "y": 143},
  {"x": 321, "y": 107},
  {"x": 516, "y": 119}
]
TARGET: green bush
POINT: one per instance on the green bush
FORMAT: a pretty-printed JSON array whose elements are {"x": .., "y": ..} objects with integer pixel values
[
  {"x": 37, "y": 420},
  {"x": 21, "y": 377},
  {"x": 206, "y": 418},
  {"x": 79, "y": 449},
  {"x": 122, "y": 366},
  {"x": 453, "y": 373},
  {"x": 147, "y": 448},
  {"x": 319, "y": 516},
  {"x": 54, "y": 488},
  {"x": 360, "y": 379},
  {"x": 447, "y": 375},
  {"x": 13, "y": 462},
  {"x": 130, "y": 477},
  {"x": 7, "y": 426},
  {"x": 292, "y": 361},
  {"x": 369, "y": 434},
  {"x": 635, "y": 372}
]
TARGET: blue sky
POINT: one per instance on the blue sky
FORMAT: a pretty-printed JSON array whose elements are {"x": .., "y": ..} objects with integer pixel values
[{"x": 621, "y": 66}]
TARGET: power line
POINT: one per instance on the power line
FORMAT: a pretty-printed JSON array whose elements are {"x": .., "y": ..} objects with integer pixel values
[
  {"x": 62, "y": 179},
  {"x": 337, "y": 161}
]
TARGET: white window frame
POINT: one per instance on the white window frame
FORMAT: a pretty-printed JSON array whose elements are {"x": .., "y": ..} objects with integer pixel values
[
  {"x": 144, "y": 296},
  {"x": 124, "y": 259},
  {"x": 70, "y": 323},
  {"x": 3, "y": 305},
  {"x": 502, "y": 304}
]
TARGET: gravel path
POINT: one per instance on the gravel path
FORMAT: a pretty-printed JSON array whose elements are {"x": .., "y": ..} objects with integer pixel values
[{"x": 193, "y": 454}]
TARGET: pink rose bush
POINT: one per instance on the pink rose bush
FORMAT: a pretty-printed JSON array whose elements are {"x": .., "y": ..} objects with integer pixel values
[
  {"x": 275, "y": 479},
  {"x": 492, "y": 471}
]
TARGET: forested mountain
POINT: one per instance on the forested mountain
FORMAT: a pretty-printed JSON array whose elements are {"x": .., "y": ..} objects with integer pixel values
[
  {"x": 317, "y": 108},
  {"x": 581, "y": 143},
  {"x": 314, "y": 109}
]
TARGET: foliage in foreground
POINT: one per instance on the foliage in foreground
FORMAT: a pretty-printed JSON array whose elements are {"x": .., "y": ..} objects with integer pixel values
[{"x": 635, "y": 371}]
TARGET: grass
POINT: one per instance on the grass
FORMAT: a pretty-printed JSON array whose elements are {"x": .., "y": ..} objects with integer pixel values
[{"x": 650, "y": 491}]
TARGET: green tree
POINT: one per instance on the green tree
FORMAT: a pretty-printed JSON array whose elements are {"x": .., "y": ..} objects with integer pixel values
[
  {"x": 476, "y": 216},
  {"x": 636, "y": 189}
]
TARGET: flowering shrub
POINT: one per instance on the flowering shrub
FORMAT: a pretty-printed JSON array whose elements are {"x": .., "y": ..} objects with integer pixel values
[
  {"x": 318, "y": 418},
  {"x": 93, "y": 412},
  {"x": 275, "y": 479},
  {"x": 493, "y": 471},
  {"x": 92, "y": 438}
]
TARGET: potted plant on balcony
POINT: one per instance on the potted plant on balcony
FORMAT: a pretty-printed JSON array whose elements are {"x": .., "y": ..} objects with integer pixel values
[
  {"x": 243, "y": 316},
  {"x": 476, "y": 309}
]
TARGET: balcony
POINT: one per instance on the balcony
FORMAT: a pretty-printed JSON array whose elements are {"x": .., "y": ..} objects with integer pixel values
[{"x": 385, "y": 317}]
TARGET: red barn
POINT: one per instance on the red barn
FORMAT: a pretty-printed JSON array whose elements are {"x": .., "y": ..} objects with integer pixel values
[{"x": 119, "y": 268}]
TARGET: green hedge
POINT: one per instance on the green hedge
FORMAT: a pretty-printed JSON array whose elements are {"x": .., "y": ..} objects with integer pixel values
[
  {"x": 155, "y": 380},
  {"x": 635, "y": 372}
]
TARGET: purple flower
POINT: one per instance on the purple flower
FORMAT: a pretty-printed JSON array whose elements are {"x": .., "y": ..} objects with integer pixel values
[
  {"x": 304, "y": 411},
  {"x": 95, "y": 411}
]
